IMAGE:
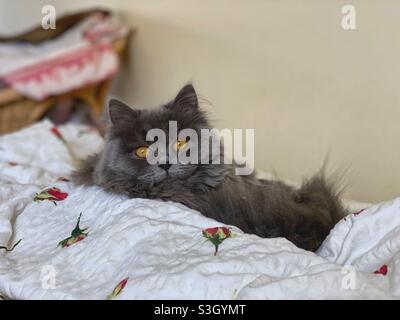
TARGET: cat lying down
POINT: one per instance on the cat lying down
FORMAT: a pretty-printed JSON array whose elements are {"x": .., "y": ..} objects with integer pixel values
[{"x": 266, "y": 208}]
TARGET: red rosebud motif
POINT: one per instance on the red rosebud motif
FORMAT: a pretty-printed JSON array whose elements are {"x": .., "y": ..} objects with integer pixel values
[
  {"x": 382, "y": 270},
  {"x": 51, "y": 194},
  {"x": 226, "y": 231},
  {"x": 211, "y": 231},
  {"x": 59, "y": 136},
  {"x": 118, "y": 289},
  {"x": 57, "y": 133},
  {"x": 57, "y": 194},
  {"x": 216, "y": 236},
  {"x": 77, "y": 235}
]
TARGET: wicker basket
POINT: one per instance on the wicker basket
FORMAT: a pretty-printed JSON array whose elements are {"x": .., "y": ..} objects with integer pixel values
[{"x": 20, "y": 113}]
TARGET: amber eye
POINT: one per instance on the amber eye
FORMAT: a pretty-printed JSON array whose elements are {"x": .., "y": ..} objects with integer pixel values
[
  {"x": 180, "y": 144},
  {"x": 142, "y": 152}
]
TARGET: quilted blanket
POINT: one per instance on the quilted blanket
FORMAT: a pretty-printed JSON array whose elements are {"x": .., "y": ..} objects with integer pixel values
[{"x": 60, "y": 241}]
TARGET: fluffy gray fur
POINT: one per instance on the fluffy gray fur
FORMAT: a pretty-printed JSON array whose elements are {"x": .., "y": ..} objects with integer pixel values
[{"x": 266, "y": 208}]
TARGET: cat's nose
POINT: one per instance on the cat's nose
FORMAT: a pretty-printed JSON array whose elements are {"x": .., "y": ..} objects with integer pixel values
[{"x": 165, "y": 166}]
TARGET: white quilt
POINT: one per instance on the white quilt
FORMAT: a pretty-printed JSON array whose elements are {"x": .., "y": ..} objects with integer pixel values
[{"x": 146, "y": 249}]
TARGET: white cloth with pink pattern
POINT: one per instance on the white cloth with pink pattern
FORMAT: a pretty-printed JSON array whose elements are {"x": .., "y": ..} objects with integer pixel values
[{"x": 81, "y": 56}]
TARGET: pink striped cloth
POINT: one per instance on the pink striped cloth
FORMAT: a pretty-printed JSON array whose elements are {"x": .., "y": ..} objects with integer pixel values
[{"x": 81, "y": 56}]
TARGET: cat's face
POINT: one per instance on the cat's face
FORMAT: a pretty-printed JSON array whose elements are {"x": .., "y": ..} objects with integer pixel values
[{"x": 126, "y": 146}]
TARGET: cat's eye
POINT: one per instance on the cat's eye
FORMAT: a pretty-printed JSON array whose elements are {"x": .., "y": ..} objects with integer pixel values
[
  {"x": 142, "y": 152},
  {"x": 180, "y": 144}
]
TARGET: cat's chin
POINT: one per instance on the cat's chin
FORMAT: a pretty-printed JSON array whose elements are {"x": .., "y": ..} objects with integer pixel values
[
  {"x": 163, "y": 177},
  {"x": 180, "y": 172},
  {"x": 153, "y": 179},
  {"x": 173, "y": 176}
]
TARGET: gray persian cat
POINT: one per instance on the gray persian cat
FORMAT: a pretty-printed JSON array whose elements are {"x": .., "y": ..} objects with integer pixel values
[{"x": 266, "y": 208}]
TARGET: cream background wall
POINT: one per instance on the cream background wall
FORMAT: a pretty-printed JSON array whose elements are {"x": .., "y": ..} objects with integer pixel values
[
  {"x": 19, "y": 15},
  {"x": 285, "y": 68}
]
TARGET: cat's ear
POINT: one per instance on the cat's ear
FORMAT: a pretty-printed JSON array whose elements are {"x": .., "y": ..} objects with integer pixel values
[
  {"x": 120, "y": 113},
  {"x": 187, "y": 97}
]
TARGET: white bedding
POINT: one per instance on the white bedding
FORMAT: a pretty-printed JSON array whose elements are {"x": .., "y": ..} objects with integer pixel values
[{"x": 158, "y": 247}]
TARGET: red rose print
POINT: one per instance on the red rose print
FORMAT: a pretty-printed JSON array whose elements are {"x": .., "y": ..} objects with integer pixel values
[
  {"x": 225, "y": 230},
  {"x": 216, "y": 236},
  {"x": 80, "y": 237},
  {"x": 77, "y": 235},
  {"x": 117, "y": 290},
  {"x": 59, "y": 136},
  {"x": 52, "y": 194},
  {"x": 57, "y": 194},
  {"x": 382, "y": 270},
  {"x": 56, "y": 132},
  {"x": 211, "y": 231}
]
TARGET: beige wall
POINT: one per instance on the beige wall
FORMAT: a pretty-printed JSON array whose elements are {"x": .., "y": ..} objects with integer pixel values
[
  {"x": 285, "y": 68},
  {"x": 18, "y": 15}
]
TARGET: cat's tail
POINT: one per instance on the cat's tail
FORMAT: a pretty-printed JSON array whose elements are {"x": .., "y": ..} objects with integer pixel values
[
  {"x": 323, "y": 192},
  {"x": 318, "y": 208}
]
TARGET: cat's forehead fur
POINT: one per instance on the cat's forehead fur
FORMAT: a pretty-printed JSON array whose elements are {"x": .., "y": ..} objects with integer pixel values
[{"x": 133, "y": 124}]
